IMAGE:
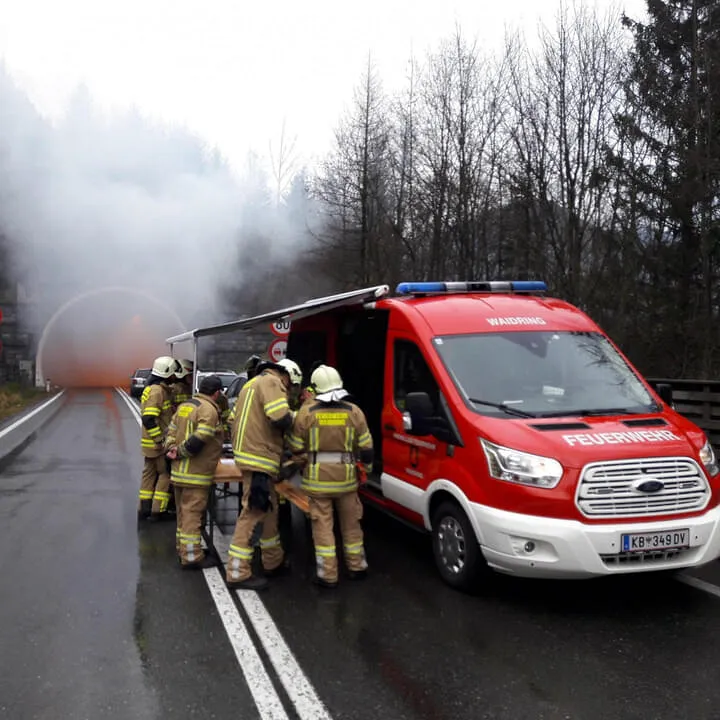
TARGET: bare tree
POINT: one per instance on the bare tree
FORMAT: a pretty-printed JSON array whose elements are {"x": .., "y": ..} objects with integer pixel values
[
  {"x": 283, "y": 163},
  {"x": 564, "y": 97},
  {"x": 353, "y": 186}
]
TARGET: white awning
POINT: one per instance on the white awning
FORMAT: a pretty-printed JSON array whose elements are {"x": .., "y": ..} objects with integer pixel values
[{"x": 295, "y": 312}]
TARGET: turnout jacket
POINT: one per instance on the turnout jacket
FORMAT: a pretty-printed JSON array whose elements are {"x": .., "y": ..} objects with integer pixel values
[
  {"x": 197, "y": 433},
  {"x": 329, "y": 438},
  {"x": 224, "y": 408},
  {"x": 156, "y": 413},
  {"x": 262, "y": 415},
  {"x": 180, "y": 393}
]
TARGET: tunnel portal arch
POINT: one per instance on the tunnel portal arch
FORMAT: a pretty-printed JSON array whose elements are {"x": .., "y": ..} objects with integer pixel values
[{"x": 136, "y": 292}]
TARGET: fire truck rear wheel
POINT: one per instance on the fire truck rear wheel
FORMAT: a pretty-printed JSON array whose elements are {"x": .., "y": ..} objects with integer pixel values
[{"x": 457, "y": 554}]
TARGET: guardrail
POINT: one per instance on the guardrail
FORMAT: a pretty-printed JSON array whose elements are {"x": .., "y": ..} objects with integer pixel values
[
  {"x": 18, "y": 431},
  {"x": 698, "y": 401}
]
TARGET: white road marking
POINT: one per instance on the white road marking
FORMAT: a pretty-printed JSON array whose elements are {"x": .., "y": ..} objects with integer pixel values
[
  {"x": 24, "y": 418},
  {"x": 296, "y": 683},
  {"x": 258, "y": 681},
  {"x": 699, "y": 584},
  {"x": 128, "y": 400}
]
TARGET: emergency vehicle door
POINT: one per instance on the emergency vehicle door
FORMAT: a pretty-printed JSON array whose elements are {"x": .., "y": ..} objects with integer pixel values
[{"x": 409, "y": 457}]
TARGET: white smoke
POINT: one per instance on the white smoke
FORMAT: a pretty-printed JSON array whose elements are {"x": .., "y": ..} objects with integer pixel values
[{"x": 99, "y": 200}]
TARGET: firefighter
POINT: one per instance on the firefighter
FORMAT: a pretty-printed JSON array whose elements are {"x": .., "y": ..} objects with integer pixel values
[
  {"x": 224, "y": 406},
  {"x": 330, "y": 435},
  {"x": 182, "y": 388},
  {"x": 250, "y": 370},
  {"x": 194, "y": 445},
  {"x": 181, "y": 391},
  {"x": 262, "y": 417},
  {"x": 251, "y": 366},
  {"x": 307, "y": 395},
  {"x": 156, "y": 412}
]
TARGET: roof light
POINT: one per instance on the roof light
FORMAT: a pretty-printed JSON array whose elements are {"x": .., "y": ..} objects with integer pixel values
[{"x": 485, "y": 286}]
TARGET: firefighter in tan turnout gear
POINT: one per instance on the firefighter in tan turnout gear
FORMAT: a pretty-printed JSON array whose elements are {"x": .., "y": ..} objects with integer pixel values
[
  {"x": 330, "y": 435},
  {"x": 182, "y": 388},
  {"x": 156, "y": 413},
  {"x": 262, "y": 416},
  {"x": 194, "y": 444}
]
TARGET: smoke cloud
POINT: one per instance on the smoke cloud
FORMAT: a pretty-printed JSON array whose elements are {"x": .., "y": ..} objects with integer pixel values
[{"x": 96, "y": 200}]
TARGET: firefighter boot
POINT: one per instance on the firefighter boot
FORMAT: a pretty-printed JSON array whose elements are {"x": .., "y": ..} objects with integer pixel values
[
  {"x": 324, "y": 583},
  {"x": 145, "y": 509},
  {"x": 207, "y": 561},
  {"x": 284, "y": 568},
  {"x": 251, "y": 583}
]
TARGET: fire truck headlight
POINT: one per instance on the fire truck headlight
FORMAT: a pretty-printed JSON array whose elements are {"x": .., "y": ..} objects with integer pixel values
[
  {"x": 521, "y": 467},
  {"x": 708, "y": 459}
]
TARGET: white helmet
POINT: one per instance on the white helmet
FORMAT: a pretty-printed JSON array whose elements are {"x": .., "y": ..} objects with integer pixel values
[
  {"x": 292, "y": 369},
  {"x": 326, "y": 379},
  {"x": 184, "y": 368},
  {"x": 164, "y": 367}
]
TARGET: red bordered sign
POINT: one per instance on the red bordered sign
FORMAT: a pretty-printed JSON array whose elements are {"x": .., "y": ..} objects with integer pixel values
[
  {"x": 277, "y": 350},
  {"x": 281, "y": 328}
]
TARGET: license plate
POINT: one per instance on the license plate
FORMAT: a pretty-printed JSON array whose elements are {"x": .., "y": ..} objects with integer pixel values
[{"x": 650, "y": 542}]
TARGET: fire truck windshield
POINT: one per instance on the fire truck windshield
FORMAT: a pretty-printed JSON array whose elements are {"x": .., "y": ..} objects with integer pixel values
[{"x": 543, "y": 374}]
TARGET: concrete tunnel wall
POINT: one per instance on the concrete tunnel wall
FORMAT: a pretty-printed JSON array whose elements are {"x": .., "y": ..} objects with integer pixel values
[{"x": 98, "y": 338}]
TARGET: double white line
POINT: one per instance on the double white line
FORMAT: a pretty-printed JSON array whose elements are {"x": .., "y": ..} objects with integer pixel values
[{"x": 298, "y": 687}]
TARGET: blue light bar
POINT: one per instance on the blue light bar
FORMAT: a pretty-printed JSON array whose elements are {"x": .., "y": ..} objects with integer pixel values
[{"x": 483, "y": 286}]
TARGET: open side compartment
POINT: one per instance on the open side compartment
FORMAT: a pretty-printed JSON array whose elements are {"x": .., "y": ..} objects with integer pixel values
[
  {"x": 354, "y": 341},
  {"x": 360, "y": 357}
]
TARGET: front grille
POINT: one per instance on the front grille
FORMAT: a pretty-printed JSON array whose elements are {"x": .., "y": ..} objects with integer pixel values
[
  {"x": 609, "y": 489},
  {"x": 640, "y": 558}
]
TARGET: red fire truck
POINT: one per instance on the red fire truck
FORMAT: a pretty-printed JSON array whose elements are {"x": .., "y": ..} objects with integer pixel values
[{"x": 510, "y": 427}]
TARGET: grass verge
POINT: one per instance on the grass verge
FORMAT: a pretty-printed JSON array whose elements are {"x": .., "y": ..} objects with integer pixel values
[{"x": 14, "y": 398}]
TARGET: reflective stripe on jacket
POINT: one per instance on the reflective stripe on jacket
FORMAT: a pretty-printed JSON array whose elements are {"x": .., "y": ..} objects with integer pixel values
[
  {"x": 339, "y": 428},
  {"x": 180, "y": 394},
  {"x": 198, "y": 417},
  {"x": 257, "y": 442},
  {"x": 156, "y": 402}
]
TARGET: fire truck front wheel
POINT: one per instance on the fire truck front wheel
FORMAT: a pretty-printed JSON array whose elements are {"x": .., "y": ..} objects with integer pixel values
[{"x": 457, "y": 554}]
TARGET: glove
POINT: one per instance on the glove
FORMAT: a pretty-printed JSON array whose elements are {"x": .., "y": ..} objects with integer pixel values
[
  {"x": 288, "y": 469},
  {"x": 259, "y": 498}
]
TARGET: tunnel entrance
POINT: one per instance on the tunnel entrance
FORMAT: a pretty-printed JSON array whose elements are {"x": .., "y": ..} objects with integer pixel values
[{"x": 100, "y": 338}]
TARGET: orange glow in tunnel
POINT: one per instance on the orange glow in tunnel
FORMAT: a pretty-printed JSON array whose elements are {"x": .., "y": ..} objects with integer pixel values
[{"x": 100, "y": 340}]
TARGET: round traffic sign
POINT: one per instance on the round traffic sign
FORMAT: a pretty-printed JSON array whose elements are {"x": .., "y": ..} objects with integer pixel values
[
  {"x": 281, "y": 328},
  {"x": 277, "y": 350}
]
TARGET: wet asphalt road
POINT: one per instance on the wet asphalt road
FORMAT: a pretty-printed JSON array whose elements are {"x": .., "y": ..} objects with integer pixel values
[{"x": 97, "y": 621}]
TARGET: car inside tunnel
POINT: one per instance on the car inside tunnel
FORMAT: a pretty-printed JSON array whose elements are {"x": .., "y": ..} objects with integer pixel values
[{"x": 99, "y": 340}]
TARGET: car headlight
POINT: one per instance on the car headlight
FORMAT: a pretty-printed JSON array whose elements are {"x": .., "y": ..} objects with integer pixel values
[
  {"x": 521, "y": 467},
  {"x": 708, "y": 459}
]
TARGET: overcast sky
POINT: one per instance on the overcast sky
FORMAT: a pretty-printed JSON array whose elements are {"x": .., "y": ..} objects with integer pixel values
[{"x": 232, "y": 70}]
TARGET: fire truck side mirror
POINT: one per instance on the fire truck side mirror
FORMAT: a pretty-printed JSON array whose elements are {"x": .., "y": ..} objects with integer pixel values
[{"x": 420, "y": 409}]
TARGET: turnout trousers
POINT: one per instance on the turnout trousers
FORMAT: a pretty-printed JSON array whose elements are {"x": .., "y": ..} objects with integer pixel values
[
  {"x": 240, "y": 553},
  {"x": 190, "y": 504},
  {"x": 155, "y": 484},
  {"x": 350, "y": 512}
]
